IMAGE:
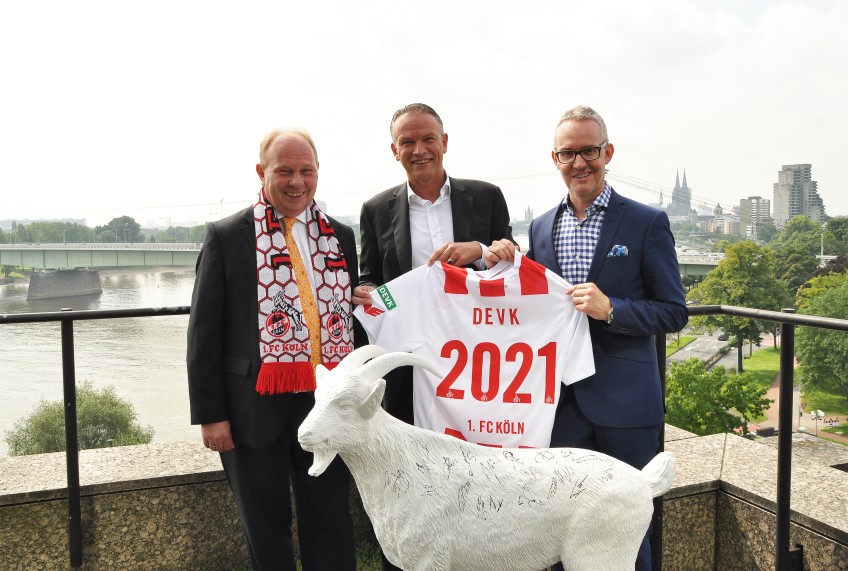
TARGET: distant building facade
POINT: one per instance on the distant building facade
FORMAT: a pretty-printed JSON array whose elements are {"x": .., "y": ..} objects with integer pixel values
[
  {"x": 795, "y": 192},
  {"x": 754, "y": 212}
]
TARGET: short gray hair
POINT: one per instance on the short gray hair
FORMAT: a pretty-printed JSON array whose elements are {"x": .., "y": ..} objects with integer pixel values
[
  {"x": 414, "y": 108},
  {"x": 584, "y": 113}
]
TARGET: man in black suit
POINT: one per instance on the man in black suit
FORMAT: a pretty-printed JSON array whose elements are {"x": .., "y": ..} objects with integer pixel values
[
  {"x": 431, "y": 217},
  {"x": 269, "y": 304}
]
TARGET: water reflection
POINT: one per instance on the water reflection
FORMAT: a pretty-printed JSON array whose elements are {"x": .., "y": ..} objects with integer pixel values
[{"x": 143, "y": 358}]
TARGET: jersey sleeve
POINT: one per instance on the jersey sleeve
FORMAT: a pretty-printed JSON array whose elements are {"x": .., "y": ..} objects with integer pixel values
[
  {"x": 394, "y": 317},
  {"x": 579, "y": 361}
]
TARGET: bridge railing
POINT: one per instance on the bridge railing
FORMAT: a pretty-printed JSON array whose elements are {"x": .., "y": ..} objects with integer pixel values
[
  {"x": 786, "y": 559},
  {"x": 103, "y": 246}
]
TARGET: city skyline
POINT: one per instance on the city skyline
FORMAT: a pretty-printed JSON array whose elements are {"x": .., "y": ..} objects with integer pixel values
[{"x": 98, "y": 119}]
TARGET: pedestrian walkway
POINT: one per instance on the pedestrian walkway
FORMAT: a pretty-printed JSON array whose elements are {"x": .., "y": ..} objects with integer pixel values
[{"x": 803, "y": 420}]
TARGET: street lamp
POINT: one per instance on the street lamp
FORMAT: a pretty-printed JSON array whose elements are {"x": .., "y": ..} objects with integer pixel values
[{"x": 63, "y": 236}]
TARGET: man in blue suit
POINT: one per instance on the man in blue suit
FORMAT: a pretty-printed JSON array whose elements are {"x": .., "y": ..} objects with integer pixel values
[{"x": 619, "y": 255}]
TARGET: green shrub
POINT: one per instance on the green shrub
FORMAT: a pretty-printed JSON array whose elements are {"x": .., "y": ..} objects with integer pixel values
[{"x": 103, "y": 420}]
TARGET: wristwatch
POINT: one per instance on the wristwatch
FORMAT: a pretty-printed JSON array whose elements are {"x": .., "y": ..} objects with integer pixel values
[{"x": 609, "y": 316}]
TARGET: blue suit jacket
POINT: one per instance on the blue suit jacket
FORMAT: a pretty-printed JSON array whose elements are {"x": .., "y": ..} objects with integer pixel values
[{"x": 646, "y": 291}]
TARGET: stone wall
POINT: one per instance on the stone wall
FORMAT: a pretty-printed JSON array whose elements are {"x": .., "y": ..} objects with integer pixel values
[{"x": 167, "y": 506}]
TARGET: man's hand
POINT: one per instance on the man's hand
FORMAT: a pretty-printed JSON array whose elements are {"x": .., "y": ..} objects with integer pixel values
[
  {"x": 217, "y": 436},
  {"x": 456, "y": 253},
  {"x": 502, "y": 249},
  {"x": 590, "y": 300},
  {"x": 360, "y": 294}
]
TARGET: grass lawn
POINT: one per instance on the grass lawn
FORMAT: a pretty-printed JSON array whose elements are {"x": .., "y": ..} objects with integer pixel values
[
  {"x": 764, "y": 364},
  {"x": 675, "y": 346},
  {"x": 831, "y": 403}
]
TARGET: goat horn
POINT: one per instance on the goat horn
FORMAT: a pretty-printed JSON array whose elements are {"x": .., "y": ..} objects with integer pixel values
[
  {"x": 381, "y": 365},
  {"x": 357, "y": 358}
]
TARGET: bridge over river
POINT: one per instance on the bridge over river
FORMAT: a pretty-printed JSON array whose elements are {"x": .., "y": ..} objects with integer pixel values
[
  {"x": 70, "y": 269},
  {"x": 98, "y": 255}
]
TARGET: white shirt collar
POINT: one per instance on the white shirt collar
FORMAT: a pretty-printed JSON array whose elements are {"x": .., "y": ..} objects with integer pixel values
[{"x": 444, "y": 194}]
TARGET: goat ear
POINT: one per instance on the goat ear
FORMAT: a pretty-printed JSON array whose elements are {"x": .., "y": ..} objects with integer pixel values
[{"x": 372, "y": 402}]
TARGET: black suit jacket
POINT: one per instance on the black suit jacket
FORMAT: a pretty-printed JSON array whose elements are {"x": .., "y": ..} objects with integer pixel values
[
  {"x": 223, "y": 333},
  {"x": 479, "y": 213}
]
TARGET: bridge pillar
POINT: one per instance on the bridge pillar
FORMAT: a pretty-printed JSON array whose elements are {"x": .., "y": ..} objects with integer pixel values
[{"x": 63, "y": 283}]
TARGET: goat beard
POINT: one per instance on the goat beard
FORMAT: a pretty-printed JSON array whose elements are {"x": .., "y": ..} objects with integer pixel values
[{"x": 321, "y": 459}]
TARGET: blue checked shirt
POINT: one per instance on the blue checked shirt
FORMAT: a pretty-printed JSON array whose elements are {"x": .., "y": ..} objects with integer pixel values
[{"x": 575, "y": 241}]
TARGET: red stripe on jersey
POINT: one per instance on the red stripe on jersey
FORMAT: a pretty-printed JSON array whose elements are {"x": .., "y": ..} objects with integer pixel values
[
  {"x": 492, "y": 288},
  {"x": 532, "y": 277},
  {"x": 373, "y": 311},
  {"x": 455, "y": 433},
  {"x": 455, "y": 279}
]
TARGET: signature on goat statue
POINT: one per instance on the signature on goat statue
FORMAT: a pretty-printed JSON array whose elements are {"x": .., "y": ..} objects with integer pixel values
[{"x": 439, "y": 503}]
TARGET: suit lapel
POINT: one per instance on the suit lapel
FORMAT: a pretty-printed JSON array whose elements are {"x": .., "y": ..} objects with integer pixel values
[
  {"x": 612, "y": 222},
  {"x": 461, "y": 205},
  {"x": 247, "y": 229},
  {"x": 399, "y": 211}
]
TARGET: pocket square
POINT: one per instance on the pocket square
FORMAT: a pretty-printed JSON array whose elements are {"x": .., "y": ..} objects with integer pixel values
[{"x": 617, "y": 250}]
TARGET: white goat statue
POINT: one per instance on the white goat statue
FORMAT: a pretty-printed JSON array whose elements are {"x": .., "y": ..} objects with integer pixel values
[{"x": 439, "y": 503}]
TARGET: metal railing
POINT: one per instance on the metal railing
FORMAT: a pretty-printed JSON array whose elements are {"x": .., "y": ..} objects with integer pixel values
[
  {"x": 786, "y": 559},
  {"x": 66, "y": 319}
]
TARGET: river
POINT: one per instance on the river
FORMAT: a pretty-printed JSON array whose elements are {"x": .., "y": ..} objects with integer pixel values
[{"x": 143, "y": 358}]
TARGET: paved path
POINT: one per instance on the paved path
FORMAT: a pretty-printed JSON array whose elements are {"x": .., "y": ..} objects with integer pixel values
[
  {"x": 729, "y": 360},
  {"x": 774, "y": 394}
]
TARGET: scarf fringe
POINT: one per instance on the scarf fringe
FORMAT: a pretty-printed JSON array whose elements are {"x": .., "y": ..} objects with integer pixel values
[{"x": 278, "y": 378}]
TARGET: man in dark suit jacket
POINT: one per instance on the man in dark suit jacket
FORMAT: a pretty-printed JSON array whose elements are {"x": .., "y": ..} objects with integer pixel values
[
  {"x": 429, "y": 218},
  {"x": 619, "y": 255},
  {"x": 256, "y": 434}
]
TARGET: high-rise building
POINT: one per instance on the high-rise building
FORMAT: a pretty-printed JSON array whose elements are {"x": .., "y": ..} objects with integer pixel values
[
  {"x": 754, "y": 212},
  {"x": 795, "y": 192}
]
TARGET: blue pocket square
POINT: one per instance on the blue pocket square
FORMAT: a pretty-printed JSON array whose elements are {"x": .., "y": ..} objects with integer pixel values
[{"x": 617, "y": 250}]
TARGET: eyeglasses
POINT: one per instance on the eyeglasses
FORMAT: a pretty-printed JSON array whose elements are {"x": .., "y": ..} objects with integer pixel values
[{"x": 588, "y": 154}]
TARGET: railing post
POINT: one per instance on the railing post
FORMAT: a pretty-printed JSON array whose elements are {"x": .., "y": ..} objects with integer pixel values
[
  {"x": 657, "y": 520},
  {"x": 785, "y": 561},
  {"x": 71, "y": 443}
]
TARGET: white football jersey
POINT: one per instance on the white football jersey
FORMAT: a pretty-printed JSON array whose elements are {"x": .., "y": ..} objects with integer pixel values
[{"x": 503, "y": 341}]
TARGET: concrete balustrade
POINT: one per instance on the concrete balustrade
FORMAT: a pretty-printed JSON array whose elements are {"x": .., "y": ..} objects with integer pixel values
[{"x": 167, "y": 506}]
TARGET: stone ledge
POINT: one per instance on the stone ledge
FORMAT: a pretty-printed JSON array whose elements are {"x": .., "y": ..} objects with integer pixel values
[
  {"x": 745, "y": 469},
  {"x": 41, "y": 477}
]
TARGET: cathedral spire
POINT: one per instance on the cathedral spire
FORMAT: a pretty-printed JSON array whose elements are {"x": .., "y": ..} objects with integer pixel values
[{"x": 677, "y": 180}]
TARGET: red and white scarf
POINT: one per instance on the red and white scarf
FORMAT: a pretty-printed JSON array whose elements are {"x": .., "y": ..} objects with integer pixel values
[{"x": 283, "y": 333}]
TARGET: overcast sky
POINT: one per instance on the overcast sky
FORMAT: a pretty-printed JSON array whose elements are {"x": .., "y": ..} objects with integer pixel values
[{"x": 155, "y": 109}]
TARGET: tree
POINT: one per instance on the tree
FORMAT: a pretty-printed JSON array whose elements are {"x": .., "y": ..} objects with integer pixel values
[
  {"x": 823, "y": 353},
  {"x": 794, "y": 265},
  {"x": 744, "y": 278},
  {"x": 103, "y": 420},
  {"x": 766, "y": 233},
  {"x": 702, "y": 401},
  {"x": 839, "y": 228},
  {"x": 123, "y": 229},
  {"x": 817, "y": 286}
]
